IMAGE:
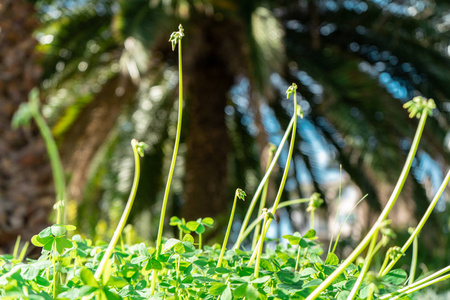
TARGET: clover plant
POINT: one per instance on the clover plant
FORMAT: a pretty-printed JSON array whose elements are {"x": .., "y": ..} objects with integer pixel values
[{"x": 78, "y": 268}]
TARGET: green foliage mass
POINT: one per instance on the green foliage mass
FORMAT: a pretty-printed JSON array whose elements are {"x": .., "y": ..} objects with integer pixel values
[
  {"x": 183, "y": 270},
  {"x": 355, "y": 63},
  {"x": 77, "y": 268}
]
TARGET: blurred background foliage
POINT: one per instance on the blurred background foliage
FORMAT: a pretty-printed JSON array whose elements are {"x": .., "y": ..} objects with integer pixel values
[{"x": 108, "y": 75}]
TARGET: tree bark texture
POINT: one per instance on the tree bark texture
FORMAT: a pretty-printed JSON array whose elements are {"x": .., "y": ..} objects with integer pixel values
[
  {"x": 213, "y": 59},
  {"x": 86, "y": 135},
  {"x": 26, "y": 189}
]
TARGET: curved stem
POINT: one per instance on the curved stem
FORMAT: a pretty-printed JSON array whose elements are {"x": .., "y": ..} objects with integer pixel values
[
  {"x": 378, "y": 247},
  {"x": 385, "y": 262},
  {"x": 365, "y": 242},
  {"x": 288, "y": 161},
  {"x": 262, "y": 203},
  {"x": 364, "y": 269},
  {"x": 297, "y": 260},
  {"x": 345, "y": 221},
  {"x": 311, "y": 219},
  {"x": 421, "y": 223},
  {"x": 260, "y": 248},
  {"x": 412, "y": 272},
  {"x": 125, "y": 214},
  {"x": 415, "y": 288},
  {"x": 371, "y": 291},
  {"x": 227, "y": 234},
  {"x": 261, "y": 185},
  {"x": 54, "y": 269},
  {"x": 282, "y": 204},
  {"x": 57, "y": 169},
  {"x": 337, "y": 209},
  {"x": 174, "y": 155},
  {"x": 172, "y": 164},
  {"x": 178, "y": 273},
  {"x": 283, "y": 180},
  {"x": 419, "y": 282}
]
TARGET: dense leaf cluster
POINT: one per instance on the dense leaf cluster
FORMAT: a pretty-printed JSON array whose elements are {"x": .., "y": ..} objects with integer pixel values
[{"x": 67, "y": 265}]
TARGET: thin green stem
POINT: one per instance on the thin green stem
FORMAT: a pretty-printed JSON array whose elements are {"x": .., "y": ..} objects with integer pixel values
[
  {"x": 175, "y": 151},
  {"x": 337, "y": 209},
  {"x": 385, "y": 262},
  {"x": 172, "y": 164},
  {"x": 412, "y": 272},
  {"x": 16, "y": 247},
  {"x": 128, "y": 234},
  {"x": 23, "y": 252},
  {"x": 57, "y": 169},
  {"x": 54, "y": 269},
  {"x": 178, "y": 273},
  {"x": 365, "y": 242},
  {"x": 75, "y": 262},
  {"x": 291, "y": 202},
  {"x": 48, "y": 276},
  {"x": 421, "y": 223},
  {"x": 378, "y": 246},
  {"x": 282, "y": 204},
  {"x": 261, "y": 185},
  {"x": 284, "y": 178},
  {"x": 227, "y": 234},
  {"x": 298, "y": 258},
  {"x": 262, "y": 203},
  {"x": 311, "y": 219},
  {"x": 125, "y": 214},
  {"x": 288, "y": 162},
  {"x": 261, "y": 246},
  {"x": 411, "y": 289},
  {"x": 345, "y": 221},
  {"x": 419, "y": 282},
  {"x": 122, "y": 245},
  {"x": 371, "y": 291},
  {"x": 365, "y": 268}
]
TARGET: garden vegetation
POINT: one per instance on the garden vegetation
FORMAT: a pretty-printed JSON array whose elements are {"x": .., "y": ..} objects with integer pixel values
[{"x": 72, "y": 267}]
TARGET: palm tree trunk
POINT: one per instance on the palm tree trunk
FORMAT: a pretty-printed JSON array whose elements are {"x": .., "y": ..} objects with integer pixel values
[
  {"x": 83, "y": 139},
  {"x": 211, "y": 64},
  {"x": 26, "y": 191}
]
